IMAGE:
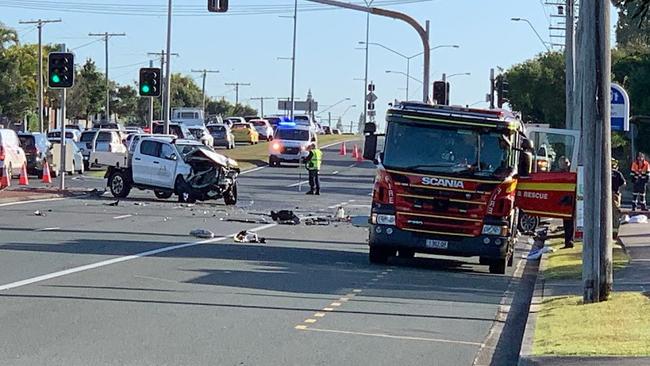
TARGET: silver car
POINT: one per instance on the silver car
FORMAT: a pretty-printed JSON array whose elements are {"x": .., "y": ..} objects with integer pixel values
[{"x": 222, "y": 135}]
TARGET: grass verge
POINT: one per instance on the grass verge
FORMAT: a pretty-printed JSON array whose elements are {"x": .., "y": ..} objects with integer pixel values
[
  {"x": 618, "y": 327},
  {"x": 566, "y": 264}
]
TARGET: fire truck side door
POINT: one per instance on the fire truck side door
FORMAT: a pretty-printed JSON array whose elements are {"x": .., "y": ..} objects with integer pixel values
[{"x": 550, "y": 190}]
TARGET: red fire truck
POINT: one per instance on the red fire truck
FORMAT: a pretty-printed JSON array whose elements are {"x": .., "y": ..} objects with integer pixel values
[{"x": 456, "y": 181}]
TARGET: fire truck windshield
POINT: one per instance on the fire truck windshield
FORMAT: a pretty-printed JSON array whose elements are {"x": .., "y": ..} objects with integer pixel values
[{"x": 436, "y": 149}]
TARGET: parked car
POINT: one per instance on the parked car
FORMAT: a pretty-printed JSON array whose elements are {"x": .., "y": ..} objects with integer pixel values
[
  {"x": 72, "y": 134},
  {"x": 336, "y": 131},
  {"x": 305, "y": 120},
  {"x": 245, "y": 132},
  {"x": 12, "y": 156},
  {"x": 74, "y": 127},
  {"x": 274, "y": 121},
  {"x": 99, "y": 140},
  {"x": 202, "y": 134},
  {"x": 263, "y": 127},
  {"x": 222, "y": 135},
  {"x": 178, "y": 130},
  {"x": 232, "y": 120},
  {"x": 104, "y": 125},
  {"x": 74, "y": 159},
  {"x": 38, "y": 149},
  {"x": 250, "y": 118},
  {"x": 133, "y": 129},
  {"x": 327, "y": 130}
]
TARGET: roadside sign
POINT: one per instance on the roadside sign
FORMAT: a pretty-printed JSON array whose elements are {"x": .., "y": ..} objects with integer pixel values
[
  {"x": 307, "y": 106},
  {"x": 371, "y": 97},
  {"x": 372, "y": 113},
  {"x": 620, "y": 109}
]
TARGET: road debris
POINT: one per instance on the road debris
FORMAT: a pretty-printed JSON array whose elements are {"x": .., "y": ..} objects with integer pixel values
[
  {"x": 248, "y": 237},
  {"x": 39, "y": 213},
  {"x": 140, "y": 204},
  {"x": 202, "y": 233},
  {"x": 113, "y": 204},
  {"x": 323, "y": 221},
  {"x": 247, "y": 221},
  {"x": 285, "y": 217},
  {"x": 96, "y": 192}
]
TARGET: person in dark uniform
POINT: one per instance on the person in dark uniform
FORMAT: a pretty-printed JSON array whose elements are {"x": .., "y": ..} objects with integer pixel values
[
  {"x": 313, "y": 163},
  {"x": 564, "y": 165},
  {"x": 618, "y": 181},
  {"x": 525, "y": 166}
]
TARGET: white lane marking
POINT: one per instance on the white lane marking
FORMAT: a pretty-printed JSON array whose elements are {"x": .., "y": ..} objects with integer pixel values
[
  {"x": 335, "y": 172},
  {"x": 382, "y": 335},
  {"x": 298, "y": 184},
  {"x": 352, "y": 166},
  {"x": 109, "y": 262},
  {"x": 48, "y": 229},
  {"x": 252, "y": 170},
  {"x": 32, "y": 201},
  {"x": 122, "y": 217}
]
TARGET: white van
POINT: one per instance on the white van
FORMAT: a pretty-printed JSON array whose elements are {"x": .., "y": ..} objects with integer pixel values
[{"x": 12, "y": 156}]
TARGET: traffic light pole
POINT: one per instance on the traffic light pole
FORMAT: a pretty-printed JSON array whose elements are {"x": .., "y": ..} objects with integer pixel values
[
  {"x": 151, "y": 106},
  {"x": 62, "y": 166}
]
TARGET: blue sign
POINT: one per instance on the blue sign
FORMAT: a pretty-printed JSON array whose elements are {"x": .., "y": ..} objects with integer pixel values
[{"x": 620, "y": 109}]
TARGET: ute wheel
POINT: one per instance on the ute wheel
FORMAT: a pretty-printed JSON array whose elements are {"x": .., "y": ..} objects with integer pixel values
[
  {"x": 498, "y": 266},
  {"x": 378, "y": 255},
  {"x": 119, "y": 185},
  {"x": 231, "y": 197},
  {"x": 163, "y": 195},
  {"x": 183, "y": 197},
  {"x": 527, "y": 223},
  {"x": 86, "y": 165},
  {"x": 406, "y": 253}
]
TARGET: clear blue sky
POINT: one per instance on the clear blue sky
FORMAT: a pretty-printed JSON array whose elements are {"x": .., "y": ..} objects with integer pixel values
[{"x": 245, "y": 47}]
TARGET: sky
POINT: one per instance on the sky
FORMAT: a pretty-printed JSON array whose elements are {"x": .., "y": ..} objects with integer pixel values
[{"x": 245, "y": 44}]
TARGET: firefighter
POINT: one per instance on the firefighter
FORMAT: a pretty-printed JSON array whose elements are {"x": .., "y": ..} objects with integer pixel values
[
  {"x": 312, "y": 163},
  {"x": 525, "y": 166},
  {"x": 569, "y": 223},
  {"x": 618, "y": 181},
  {"x": 640, "y": 174}
]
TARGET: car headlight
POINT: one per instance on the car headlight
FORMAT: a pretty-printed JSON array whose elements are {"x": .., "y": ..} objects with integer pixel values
[
  {"x": 495, "y": 230},
  {"x": 276, "y": 146},
  {"x": 384, "y": 219}
]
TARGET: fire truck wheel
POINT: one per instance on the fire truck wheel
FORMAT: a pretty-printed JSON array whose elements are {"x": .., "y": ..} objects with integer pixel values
[
  {"x": 527, "y": 223},
  {"x": 498, "y": 266}
]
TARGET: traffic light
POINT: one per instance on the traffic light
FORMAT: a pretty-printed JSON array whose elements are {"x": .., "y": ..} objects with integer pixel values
[
  {"x": 218, "y": 6},
  {"x": 441, "y": 92},
  {"x": 150, "y": 81},
  {"x": 371, "y": 106},
  {"x": 61, "y": 70},
  {"x": 503, "y": 91}
]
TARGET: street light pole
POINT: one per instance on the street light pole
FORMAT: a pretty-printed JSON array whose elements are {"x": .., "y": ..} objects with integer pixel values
[
  {"x": 365, "y": 79},
  {"x": 293, "y": 60}
]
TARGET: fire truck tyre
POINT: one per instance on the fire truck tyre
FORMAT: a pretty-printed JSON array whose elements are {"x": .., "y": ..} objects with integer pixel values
[
  {"x": 162, "y": 195},
  {"x": 405, "y": 253},
  {"x": 119, "y": 185},
  {"x": 498, "y": 266},
  {"x": 378, "y": 255},
  {"x": 511, "y": 259},
  {"x": 230, "y": 198},
  {"x": 527, "y": 223}
]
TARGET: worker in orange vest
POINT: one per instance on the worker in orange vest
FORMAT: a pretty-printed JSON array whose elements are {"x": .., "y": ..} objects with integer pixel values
[{"x": 640, "y": 175}]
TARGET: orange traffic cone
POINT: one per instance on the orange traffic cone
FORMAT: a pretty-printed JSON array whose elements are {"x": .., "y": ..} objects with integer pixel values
[
  {"x": 343, "y": 150},
  {"x": 355, "y": 152},
  {"x": 23, "y": 181},
  {"x": 5, "y": 178},
  {"x": 359, "y": 156},
  {"x": 47, "y": 178}
]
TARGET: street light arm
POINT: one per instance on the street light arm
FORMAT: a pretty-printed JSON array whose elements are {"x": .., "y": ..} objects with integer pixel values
[
  {"x": 391, "y": 50},
  {"x": 424, "y": 34},
  {"x": 335, "y": 104},
  {"x": 403, "y": 73},
  {"x": 534, "y": 30}
]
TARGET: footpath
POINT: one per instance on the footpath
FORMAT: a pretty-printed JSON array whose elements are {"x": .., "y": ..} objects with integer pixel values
[{"x": 562, "y": 331}]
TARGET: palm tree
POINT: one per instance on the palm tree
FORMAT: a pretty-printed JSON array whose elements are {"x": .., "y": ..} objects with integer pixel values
[{"x": 8, "y": 37}]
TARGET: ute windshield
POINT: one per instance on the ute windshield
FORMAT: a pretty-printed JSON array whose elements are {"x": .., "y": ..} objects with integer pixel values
[{"x": 436, "y": 149}]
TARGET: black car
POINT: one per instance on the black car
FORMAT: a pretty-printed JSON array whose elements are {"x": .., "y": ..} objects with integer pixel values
[{"x": 37, "y": 150}]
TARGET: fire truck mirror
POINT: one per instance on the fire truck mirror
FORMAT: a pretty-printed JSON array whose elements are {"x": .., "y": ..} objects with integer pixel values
[{"x": 370, "y": 147}]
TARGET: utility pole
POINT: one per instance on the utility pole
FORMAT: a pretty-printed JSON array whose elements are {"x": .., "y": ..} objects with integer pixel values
[
  {"x": 237, "y": 85},
  {"x": 106, "y": 37},
  {"x": 162, "y": 54},
  {"x": 293, "y": 60},
  {"x": 569, "y": 53},
  {"x": 492, "y": 89},
  {"x": 262, "y": 99},
  {"x": 365, "y": 82},
  {"x": 205, "y": 72},
  {"x": 595, "y": 111},
  {"x": 39, "y": 24},
  {"x": 62, "y": 166},
  {"x": 168, "y": 76}
]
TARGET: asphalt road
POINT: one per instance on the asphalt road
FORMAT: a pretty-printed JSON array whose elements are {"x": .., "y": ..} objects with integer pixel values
[{"x": 94, "y": 284}]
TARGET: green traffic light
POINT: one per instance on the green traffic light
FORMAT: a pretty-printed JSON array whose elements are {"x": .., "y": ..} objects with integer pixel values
[
  {"x": 56, "y": 79},
  {"x": 145, "y": 88}
]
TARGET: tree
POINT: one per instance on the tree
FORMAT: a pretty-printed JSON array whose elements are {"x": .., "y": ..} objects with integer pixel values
[
  {"x": 126, "y": 104},
  {"x": 8, "y": 37},
  {"x": 631, "y": 28},
  {"x": 87, "y": 97},
  {"x": 537, "y": 89},
  {"x": 185, "y": 92}
]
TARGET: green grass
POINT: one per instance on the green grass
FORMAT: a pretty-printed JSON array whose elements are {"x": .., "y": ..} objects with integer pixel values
[
  {"x": 251, "y": 156},
  {"x": 567, "y": 263},
  {"x": 618, "y": 327}
]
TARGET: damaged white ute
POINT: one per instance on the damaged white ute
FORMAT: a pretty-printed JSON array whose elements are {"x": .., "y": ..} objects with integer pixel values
[{"x": 186, "y": 168}]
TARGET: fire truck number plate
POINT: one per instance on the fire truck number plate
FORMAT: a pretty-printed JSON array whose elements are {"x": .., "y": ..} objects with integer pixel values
[{"x": 437, "y": 244}]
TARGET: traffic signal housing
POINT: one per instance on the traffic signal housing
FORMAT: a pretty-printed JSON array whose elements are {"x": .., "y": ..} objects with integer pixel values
[
  {"x": 61, "y": 70},
  {"x": 217, "y": 6},
  {"x": 503, "y": 92},
  {"x": 150, "y": 81},
  {"x": 441, "y": 92}
]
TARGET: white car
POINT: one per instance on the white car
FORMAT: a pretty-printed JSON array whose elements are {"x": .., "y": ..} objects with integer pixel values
[
  {"x": 290, "y": 144},
  {"x": 202, "y": 134},
  {"x": 234, "y": 120},
  {"x": 71, "y": 134},
  {"x": 305, "y": 120},
  {"x": 12, "y": 156},
  {"x": 263, "y": 127}
]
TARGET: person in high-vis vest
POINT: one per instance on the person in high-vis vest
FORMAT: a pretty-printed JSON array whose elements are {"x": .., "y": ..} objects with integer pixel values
[
  {"x": 618, "y": 182},
  {"x": 640, "y": 174},
  {"x": 313, "y": 163}
]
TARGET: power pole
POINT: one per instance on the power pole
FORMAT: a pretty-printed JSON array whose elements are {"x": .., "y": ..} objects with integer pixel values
[
  {"x": 569, "y": 52},
  {"x": 492, "y": 89},
  {"x": 595, "y": 111},
  {"x": 39, "y": 24},
  {"x": 237, "y": 85},
  {"x": 205, "y": 73},
  {"x": 162, "y": 55},
  {"x": 106, "y": 37},
  {"x": 168, "y": 68},
  {"x": 262, "y": 99},
  {"x": 293, "y": 59}
]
